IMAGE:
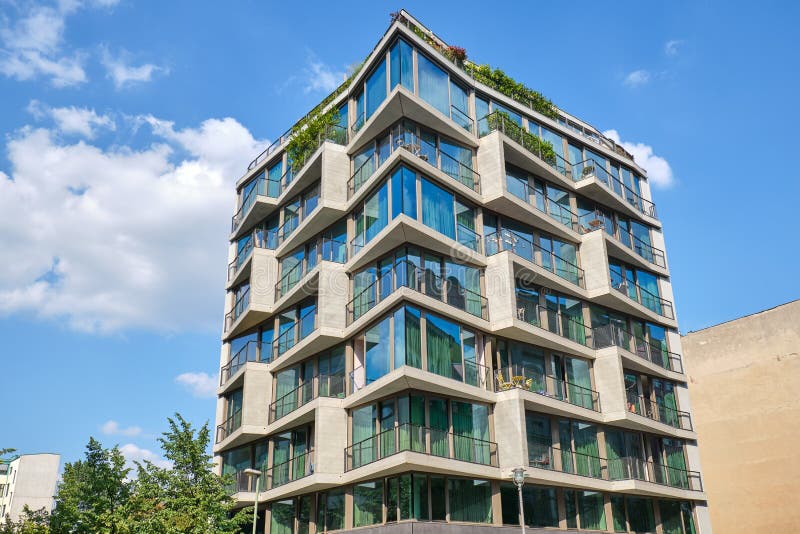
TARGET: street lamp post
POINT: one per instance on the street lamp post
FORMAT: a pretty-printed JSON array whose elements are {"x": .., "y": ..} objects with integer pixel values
[
  {"x": 519, "y": 480},
  {"x": 257, "y": 474}
]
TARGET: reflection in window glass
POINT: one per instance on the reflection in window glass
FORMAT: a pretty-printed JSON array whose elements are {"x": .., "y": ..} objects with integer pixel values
[{"x": 433, "y": 84}]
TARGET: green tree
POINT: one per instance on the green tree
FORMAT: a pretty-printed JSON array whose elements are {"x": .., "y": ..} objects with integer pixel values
[
  {"x": 30, "y": 522},
  {"x": 92, "y": 493},
  {"x": 188, "y": 497}
]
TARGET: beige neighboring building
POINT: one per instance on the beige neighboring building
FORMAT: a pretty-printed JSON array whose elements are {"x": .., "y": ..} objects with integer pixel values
[
  {"x": 28, "y": 479},
  {"x": 435, "y": 286},
  {"x": 746, "y": 408}
]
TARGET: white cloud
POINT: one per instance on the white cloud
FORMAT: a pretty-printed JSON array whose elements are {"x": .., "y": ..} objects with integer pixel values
[
  {"x": 321, "y": 77},
  {"x": 112, "y": 428},
  {"x": 105, "y": 239},
  {"x": 637, "y": 78},
  {"x": 134, "y": 453},
  {"x": 659, "y": 173},
  {"x": 201, "y": 385},
  {"x": 671, "y": 47},
  {"x": 72, "y": 120},
  {"x": 31, "y": 47},
  {"x": 124, "y": 74}
]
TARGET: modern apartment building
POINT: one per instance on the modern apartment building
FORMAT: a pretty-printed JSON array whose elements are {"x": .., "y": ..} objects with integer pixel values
[
  {"x": 28, "y": 479},
  {"x": 446, "y": 282},
  {"x": 743, "y": 375}
]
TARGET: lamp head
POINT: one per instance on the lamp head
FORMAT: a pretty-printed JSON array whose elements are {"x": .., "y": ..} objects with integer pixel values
[{"x": 519, "y": 476}]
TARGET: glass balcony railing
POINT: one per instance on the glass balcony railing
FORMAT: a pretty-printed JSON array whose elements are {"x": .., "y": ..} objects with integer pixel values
[
  {"x": 250, "y": 352},
  {"x": 408, "y": 437},
  {"x": 599, "y": 220},
  {"x": 406, "y": 274},
  {"x": 273, "y": 188},
  {"x": 499, "y": 121},
  {"x": 290, "y": 278},
  {"x": 637, "y": 293},
  {"x": 461, "y": 118},
  {"x": 612, "y": 335},
  {"x": 294, "y": 332},
  {"x": 295, "y": 468},
  {"x": 543, "y": 455},
  {"x": 519, "y": 376},
  {"x": 526, "y": 249},
  {"x": 658, "y": 411},
  {"x": 320, "y": 386},
  {"x": 229, "y": 426},
  {"x": 397, "y": 138},
  {"x": 260, "y": 238},
  {"x": 553, "y": 320},
  {"x": 556, "y": 211},
  {"x": 241, "y": 305}
]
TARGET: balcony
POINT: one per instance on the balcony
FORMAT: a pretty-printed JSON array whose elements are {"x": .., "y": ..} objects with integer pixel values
[
  {"x": 319, "y": 386},
  {"x": 553, "y": 320},
  {"x": 414, "y": 438},
  {"x": 240, "y": 306},
  {"x": 229, "y": 426},
  {"x": 579, "y": 173},
  {"x": 640, "y": 295},
  {"x": 612, "y": 335},
  {"x": 260, "y": 239},
  {"x": 470, "y": 373},
  {"x": 300, "y": 466},
  {"x": 658, "y": 411},
  {"x": 518, "y": 376},
  {"x": 250, "y": 352},
  {"x": 267, "y": 190},
  {"x": 590, "y": 172},
  {"x": 398, "y": 138},
  {"x": 622, "y": 242},
  {"x": 520, "y": 246},
  {"x": 543, "y": 455},
  {"x": 407, "y": 275},
  {"x": 554, "y": 217},
  {"x": 463, "y": 236}
]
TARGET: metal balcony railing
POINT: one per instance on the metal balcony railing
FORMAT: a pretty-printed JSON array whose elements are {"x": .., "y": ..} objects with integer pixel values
[
  {"x": 637, "y": 293},
  {"x": 421, "y": 439},
  {"x": 542, "y": 203},
  {"x": 250, "y": 352},
  {"x": 553, "y": 320},
  {"x": 241, "y": 305},
  {"x": 469, "y": 372},
  {"x": 658, "y": 411},
  {"x": 584, "y": 170},
  {"x": 543, "y": 455},
  {"x": 406, "y": 274},
  {"x": 526, "y": 249},
  {"x": 519, "y": 376},
  {"x": 295, "y": 468},
  {"x": 260, "y": 238},
  {"x": 397, "y": 138},
  {"x": 320, "y": 386},
  {"x": 612, "y": 335},
  {"x": 232, "y": 423}
]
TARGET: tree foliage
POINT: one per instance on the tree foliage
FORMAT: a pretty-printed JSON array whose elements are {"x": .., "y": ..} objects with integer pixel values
[
  {"x": 97, "y": 496},
  {"x": 92, "y": 492}
]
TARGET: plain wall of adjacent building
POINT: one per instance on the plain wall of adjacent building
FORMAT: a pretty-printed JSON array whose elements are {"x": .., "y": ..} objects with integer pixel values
[{"x": 746, "y": 407}]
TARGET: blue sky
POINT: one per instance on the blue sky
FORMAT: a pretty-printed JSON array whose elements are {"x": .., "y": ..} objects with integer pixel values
[{"x": 125, "y": 125}]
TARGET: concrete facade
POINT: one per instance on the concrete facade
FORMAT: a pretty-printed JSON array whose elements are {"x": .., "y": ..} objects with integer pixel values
[
  {"x": 533, "y": 291},
  {"x": 28, "y": 480},
  {"x": 742, "y": 375}
]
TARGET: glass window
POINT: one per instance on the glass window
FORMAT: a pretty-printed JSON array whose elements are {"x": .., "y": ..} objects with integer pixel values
[
  {"x": 282, "y": 517},
  {"x": 368, "y": 503},
  {"x": 471, "y": 432},
  {"x": 459, "y": 110},
  {"x": 481, "y": 110},
  {"x": 556, "y": 140},
  {"x": 512, "y": 114},
  {"x": 618, "y": 513},
  {"x": 330, "y": 514},
  {"x": 376, "y": 88},
  {"x": 438, "y": 209},
  {"x": 402, "y": 65},
  {"x": 517, "y": 184},
  {"x": 407, "y": 340},
  {"x": 433, "y": 84},
  {"x": 444, "y": 347},
  {"x": 591, "y": 508},
  {"x": 538, "y": 503},
  {"x": 376, "y": 348},
  {"x": 438, "y": 510},
  {"x": 404, "y": 193},
  {"x": 640, "y": 514},
  {"x": 470, "y": 500}
]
